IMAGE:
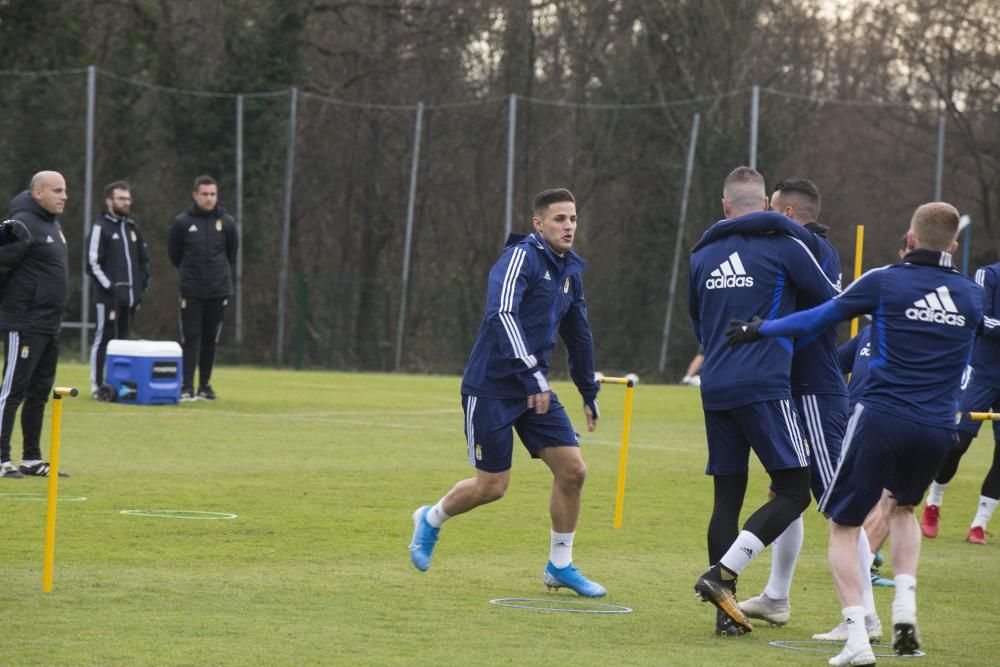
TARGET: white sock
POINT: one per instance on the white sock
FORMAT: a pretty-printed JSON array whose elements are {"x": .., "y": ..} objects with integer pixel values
[
  {"x": 784, "y": 554},
  {"x": 744, "y": 549},
  {"x": 561, "y": 549},
  {"x": 904, "y": 605},
  {"x": 866, "y": 558},
  {"x": 855, "y": 619},
  {"x": 436, "y": 515},
  {"x": 32, "y": 462},
  {"x": 935, "y": 495},
  {"x": 986, "y": 507}
]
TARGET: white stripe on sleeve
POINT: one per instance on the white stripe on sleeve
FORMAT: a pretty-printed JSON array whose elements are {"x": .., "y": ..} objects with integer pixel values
[
  {"x": 505, "y": 312},
  {"x": 95, "y": 240}
]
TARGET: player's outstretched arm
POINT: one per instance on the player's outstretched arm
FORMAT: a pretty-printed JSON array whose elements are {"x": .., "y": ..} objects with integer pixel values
[{"x": 791, "y": 326}]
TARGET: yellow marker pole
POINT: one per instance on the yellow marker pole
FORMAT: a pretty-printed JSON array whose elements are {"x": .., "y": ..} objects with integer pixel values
[
  {"x": 859, "y": 244},
  {"x": 985, "y": 416},
  {"x": 50, "y": 517},
  {"x": 629, "y": 383}
]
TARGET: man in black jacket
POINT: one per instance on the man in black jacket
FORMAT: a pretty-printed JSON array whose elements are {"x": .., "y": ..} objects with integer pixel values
[
  {"x": 118, "y": 262},
  {"x": 202, "y": 245},
  {"x": 34, "y": 260}
]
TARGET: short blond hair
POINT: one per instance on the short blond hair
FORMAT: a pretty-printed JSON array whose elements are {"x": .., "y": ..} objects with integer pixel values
[
  {"x": 935, "y": 225},
  {"x": 744, "y": 190}
]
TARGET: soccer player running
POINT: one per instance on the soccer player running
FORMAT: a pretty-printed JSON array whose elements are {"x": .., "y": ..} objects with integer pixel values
[
  {"x": 981, "y": 393},
  {"x": 535, "y": 290},
  {"x": 746, "y": 392},
  {"x": 924, "y": 319}
]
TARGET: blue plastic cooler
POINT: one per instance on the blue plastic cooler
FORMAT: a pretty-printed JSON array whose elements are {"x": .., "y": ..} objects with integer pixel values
[{"x": 144, "y": 372}]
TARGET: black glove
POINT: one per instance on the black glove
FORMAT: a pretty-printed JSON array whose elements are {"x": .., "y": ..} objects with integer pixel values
[
  {"x": 12, "y": 231},
  {"x": 592, "y": 404},
  {"x": 741, "y": 332}
]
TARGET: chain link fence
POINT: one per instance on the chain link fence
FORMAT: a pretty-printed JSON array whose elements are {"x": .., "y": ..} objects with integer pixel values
[{"x": 368, "y": 230}]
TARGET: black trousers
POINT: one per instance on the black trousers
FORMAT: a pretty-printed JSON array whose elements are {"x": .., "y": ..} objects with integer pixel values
[
  {"x": 29, "y": 372},
  {"x": 112, "y": 323},
  {"x": 201, "y": 327}
]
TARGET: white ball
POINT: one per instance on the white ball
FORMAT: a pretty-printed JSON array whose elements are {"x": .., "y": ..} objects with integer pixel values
[{"x": 633, "y": 377}]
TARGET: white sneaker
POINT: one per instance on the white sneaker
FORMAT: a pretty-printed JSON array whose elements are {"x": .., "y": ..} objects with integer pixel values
[
  {"x": 776, "y": 612},
  {"x": 854, "y": 656},
  {"x": 8, "y": 469},
  {"x": 839, "y": 634}
]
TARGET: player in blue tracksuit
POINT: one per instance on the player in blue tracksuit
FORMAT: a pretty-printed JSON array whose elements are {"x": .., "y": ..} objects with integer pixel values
[
  {"x": 746, "y": 392},
  {"x": 854, "y": 356},
  {"x": 924, "y": 319},
  {"x": 818, "y": 390},
  {"x": 535, "y": 294},
  {"x": 981, "y": 394}
]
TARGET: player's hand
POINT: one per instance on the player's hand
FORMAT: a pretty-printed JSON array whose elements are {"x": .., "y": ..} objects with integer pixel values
[
  {"x": 591, "y": 413},
  {"x": 540, "y": 402},
  {"x": 741, "y": 332}
]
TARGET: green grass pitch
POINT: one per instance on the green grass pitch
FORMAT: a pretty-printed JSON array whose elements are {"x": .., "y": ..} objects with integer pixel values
[{"x": 324, "y": 470}]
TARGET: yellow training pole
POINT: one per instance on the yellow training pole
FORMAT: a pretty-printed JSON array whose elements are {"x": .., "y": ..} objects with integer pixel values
[
  {"x": 623, "y": 457},
  {"x": 50, "y": 517},
  {"x": 984, "y": 416},
  {"x": 859, "y": 244},
  {"x": 629, "y": 383}
]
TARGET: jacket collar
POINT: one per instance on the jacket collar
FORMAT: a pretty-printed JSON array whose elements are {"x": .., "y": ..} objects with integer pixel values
[
  {"x": 23, "y": 202},
  {"x": 929, "y": 258},
  {"x": 570, "y": 259},
  {"x": 817, "y": 228},
  {"x": 111, "y": 217}
]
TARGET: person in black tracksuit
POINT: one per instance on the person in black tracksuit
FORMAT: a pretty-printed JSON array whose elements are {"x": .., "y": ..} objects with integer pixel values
[
  {"x": 118, "y": 262},
  {"x": 35, "y": 265},
  {"x": 202, "y": 245}
]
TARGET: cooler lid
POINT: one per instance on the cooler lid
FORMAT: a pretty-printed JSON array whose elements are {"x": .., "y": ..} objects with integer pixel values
[{"x": 144, "y": 348}]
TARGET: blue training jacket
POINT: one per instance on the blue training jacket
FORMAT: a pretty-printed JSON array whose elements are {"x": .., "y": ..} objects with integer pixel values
[
  {"x": 924, "y": 319},
  {"x": 986, "y": 354},
  {"x": 815, "y": 367},
  {"x": 533, "y": 295},
  {"x": 855, "y": 356},
  {"x": 738, "y": 275}
]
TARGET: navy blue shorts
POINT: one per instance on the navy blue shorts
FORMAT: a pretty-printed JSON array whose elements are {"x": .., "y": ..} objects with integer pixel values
[
  {"x": 824, "y": 419},
  {"x": 769, "y": 428},
  {"x": 882, "y": 450},
  {"x": 490, "y": 422},
  {"x": 978, "y": 398}
]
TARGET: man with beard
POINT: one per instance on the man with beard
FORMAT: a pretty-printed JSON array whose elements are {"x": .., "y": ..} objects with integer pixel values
[{"x": 118, "y": 262}]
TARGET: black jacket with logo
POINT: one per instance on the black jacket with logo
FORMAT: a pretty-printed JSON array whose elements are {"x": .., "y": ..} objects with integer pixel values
[
  {"x": 202, "y": 246},
  {"x": 36, "y": 269},
  {"x": 118, "y": 261}
]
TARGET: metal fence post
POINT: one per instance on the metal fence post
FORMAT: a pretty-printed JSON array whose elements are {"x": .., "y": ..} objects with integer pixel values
[
  {"x": 88, "y": 204},
  {"x": 239, "y": 222},
  {"x": 410, "y": 207},
  {"x": 508, "y": 216},
  {"x": 689, "y": 167},
  {"x": 754, "y": 122},
  {"x": 939, "y": 167},
  {"x": 286, "y": 225}
]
